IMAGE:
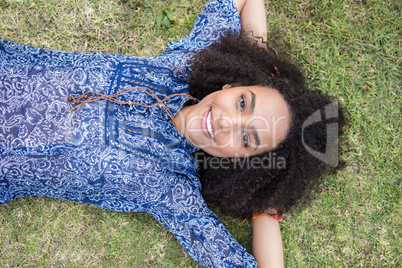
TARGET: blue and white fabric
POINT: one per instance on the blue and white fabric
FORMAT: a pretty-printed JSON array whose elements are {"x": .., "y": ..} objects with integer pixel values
[{"x": 119, "y": 157}]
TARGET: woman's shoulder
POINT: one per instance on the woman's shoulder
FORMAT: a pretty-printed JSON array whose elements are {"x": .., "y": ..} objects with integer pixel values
[{"x": 217, "y": 18}]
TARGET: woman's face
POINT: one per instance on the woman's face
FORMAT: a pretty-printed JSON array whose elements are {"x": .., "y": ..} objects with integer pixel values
[{"x": 236, "y": 121}]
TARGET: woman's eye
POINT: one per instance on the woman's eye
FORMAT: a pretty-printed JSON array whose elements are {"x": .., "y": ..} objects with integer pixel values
[
  {"x": 246, "y": 139},
  {"x": 242, "y": 102}
]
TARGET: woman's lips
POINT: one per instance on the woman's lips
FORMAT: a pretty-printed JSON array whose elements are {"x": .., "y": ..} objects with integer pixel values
[
  {"x": 207, "y": 124},
  {"x": 210, "y": 126}
]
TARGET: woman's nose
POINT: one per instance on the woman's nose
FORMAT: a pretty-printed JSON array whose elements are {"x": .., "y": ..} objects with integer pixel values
[{"x": 229, "y": 123}]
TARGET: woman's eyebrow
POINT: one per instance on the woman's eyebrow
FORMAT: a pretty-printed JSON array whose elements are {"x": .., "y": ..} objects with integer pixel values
[
  {"x": 255, "y": 133},
  {"x": 256, "y": 138},
  {"x": 252, "y": 104}
]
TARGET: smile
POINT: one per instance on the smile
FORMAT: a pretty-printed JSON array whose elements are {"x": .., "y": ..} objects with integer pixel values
[{"x": 209, "y": 125}]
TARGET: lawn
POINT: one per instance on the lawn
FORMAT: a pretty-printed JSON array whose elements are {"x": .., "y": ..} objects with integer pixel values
[{"x": 349, "y": 49}]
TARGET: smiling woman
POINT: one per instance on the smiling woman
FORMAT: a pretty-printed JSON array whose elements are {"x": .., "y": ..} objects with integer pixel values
[
  {"x": 285, "y": 104},
  {"x": 128, "y": 143},
  {"x": 236, "y": 121}
]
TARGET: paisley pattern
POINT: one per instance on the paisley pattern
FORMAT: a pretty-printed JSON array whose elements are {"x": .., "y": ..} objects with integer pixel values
[{"x": 119, "y": 157}]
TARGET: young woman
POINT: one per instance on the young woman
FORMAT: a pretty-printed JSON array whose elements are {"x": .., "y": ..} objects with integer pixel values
[{"x": 119, "y": 132}]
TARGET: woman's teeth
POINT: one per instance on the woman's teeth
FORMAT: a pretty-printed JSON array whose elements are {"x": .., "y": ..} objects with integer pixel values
[{"x": 209, "y": 126}]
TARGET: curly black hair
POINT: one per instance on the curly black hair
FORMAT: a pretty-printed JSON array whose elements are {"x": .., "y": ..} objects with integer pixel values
[{"x": 278, "y": 178}]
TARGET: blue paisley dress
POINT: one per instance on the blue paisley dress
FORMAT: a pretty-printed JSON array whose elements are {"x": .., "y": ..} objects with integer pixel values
[{"x": 119, "y": 157}]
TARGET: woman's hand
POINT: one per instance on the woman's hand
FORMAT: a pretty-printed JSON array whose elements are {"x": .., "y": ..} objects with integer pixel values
[
  {"x": 267, "y": 240},
  {"x": 253, "y": 19}
]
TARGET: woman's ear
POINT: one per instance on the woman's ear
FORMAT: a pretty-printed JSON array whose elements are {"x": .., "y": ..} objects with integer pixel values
[{"x": 227, "y": 86}]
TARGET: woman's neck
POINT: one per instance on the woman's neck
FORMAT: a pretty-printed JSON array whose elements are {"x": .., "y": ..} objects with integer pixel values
[{"x": 179, "y": 120}]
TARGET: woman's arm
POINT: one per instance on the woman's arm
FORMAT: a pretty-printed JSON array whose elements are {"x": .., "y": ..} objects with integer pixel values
[
  {"x": 183, "y": 211},
  {"x": 267, "y": 242},
  {"x": 253, "y": 19}
]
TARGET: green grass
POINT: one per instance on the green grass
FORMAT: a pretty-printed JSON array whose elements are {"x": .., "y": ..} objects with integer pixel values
[{"x": 350, "y": 49}]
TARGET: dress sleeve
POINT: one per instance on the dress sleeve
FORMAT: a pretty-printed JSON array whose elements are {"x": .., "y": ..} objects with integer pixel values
[
  {"x": 217, "y": 18},
  {"x": 183, "y": 212}
]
